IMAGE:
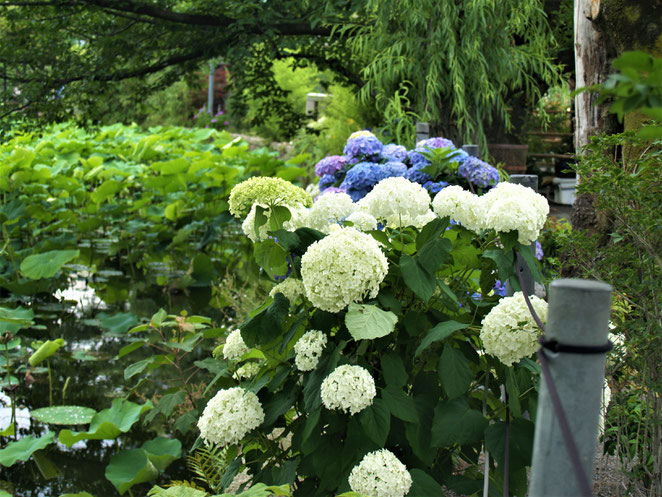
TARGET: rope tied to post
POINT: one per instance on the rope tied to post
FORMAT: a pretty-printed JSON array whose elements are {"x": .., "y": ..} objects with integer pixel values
[{"x": 556, "y": 347}]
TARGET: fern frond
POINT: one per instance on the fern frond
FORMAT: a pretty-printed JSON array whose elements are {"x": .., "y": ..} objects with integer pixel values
[{"x": 208, "y": 464}]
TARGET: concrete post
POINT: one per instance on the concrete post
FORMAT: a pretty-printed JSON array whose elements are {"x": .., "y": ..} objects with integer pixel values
[
  {"x": 531, "y": 181},
  {"x": 472, "y": 150},
  {"x": 422, "y": 131},
  {"x": 210, "y": 89},
  {"x": 578, "y": 315}
]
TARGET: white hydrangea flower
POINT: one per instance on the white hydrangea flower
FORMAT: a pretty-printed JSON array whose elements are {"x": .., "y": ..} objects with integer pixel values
[
  {"x": 229, "y": 416},
  {"x": 360, "y": 133},
  {"x": 396, "y": 202},
  {"x": 308, "y": 350},
  {"x": 299, "y": 218},
  {"x": 509, "y": 332},
  {"x": 344, "y": 267},
  {"x": 420, "y": 220},
  {"x": 313, "y": 190},
  {"x": 291, "y": 288},
  {"x": 349, "y": 388},
  {"x": 234, "y": 346},
  {"x": 380, "y": 474},
  {"x": 461, "y": 205},
  {"x": 362, "y": 221},
  {"x": 246, "y": 371},
  {"x": 510, "y": 207},
  {"x": 329, "y": 209}
]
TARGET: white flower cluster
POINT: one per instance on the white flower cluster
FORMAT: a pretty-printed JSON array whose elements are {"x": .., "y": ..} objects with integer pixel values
[
  {"x": 396, "y": 202},
  {"x": 362, "y": 221},
  {"x": 234, "y": 346},
  {"x": 359, "y": 134},
  {"x": 380, "y": 474},
  {"x": 460, "y": 205},
  {"x": 349, "y": 388},
  {"x": 509, "y": 332},
  {"x": 229, "y": 416},
  {"x": 291, "y": 288},
  {"x": 329, "y": 209},
  {"x": 510, "y": 207},
  {"x": 246, "y": 371},
  {"x": 344, "y": 267},
  {"x": 308, "y": 350}
]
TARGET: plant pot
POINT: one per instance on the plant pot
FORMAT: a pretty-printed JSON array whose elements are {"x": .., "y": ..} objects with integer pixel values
[{"x": 513, "y": 157}]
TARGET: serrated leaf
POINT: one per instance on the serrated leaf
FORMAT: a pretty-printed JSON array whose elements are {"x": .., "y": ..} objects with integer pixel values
[
  {"x": 439, "y": 333},
  {"x": 376, "y": 422},
  {"x": 393, "y": 369},
  {"x": 423, "y": 485},
  {"x": 400, "y": 404},
  {"x": 367, "y": 322},
  {"x": 454, "y": 371},
  {"x": 417, "y": 278},
  {"x": 455, "y": 423}
]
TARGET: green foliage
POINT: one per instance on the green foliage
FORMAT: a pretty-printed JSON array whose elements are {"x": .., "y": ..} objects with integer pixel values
[
  {"x": 626, "y": 190},
  {"x": 24, "y": 448},
  {"x": 453, "y": 64},
  {"x": 63, "y": 415}
]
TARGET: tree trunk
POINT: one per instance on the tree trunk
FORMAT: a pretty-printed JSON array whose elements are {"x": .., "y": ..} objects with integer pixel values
[{"x": 590, "y": 68}]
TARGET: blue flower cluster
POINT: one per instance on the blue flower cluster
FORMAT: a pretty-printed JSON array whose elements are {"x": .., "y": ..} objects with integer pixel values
[
  {"x": 438, "y": 142},
  {"x": 326, "y": 181},
  {"x": 393, "y": 152},
  {"x": 330, "y": 164},
  {"x": 435, "y": 187},
  {"x": 363, "y": 146},
  {"x": 415, "y": 175},
  {"x": 361, "y": 178},
  {"x": 394, "y": 169},
  {"x": 478, "y": 172}
]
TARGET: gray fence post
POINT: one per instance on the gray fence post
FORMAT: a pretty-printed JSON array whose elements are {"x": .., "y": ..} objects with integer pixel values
[
  {"x": 210, "y": 88},
  {"x": 422, "y": 131},
  {"x": 531, "y": 181},
  {"x": 578, "y": 315},
  {"x": 472, "y": 150}
]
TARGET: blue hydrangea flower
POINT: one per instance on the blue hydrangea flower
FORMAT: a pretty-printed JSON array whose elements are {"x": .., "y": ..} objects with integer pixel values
[
  {"x": 331, "y": 189},
  {"x": 394, "y": 169},
  {"x": 460, "y": 156},
  {"x": 437, "y": 142},
  {"x": 394, "y": 153},
  {"x": 363, "y": 146},
  {"x": 330, "y": 164},
  {"x": 478, "y": 172},
  {"x": 358, "y": 193},
  {"x": 363, "y": 175},
  {"x": 499, "y": 288},
  {"x": 416, "y": 158},
  {"x": 539, "y": 253},
  {"x": 415, "y": 175},
  {"x": 435, "y": 187},
  {"x": 326, "y": 181}
]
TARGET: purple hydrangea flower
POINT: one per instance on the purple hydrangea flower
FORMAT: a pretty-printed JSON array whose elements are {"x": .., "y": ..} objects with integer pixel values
[
  {"x": 330, "y": 189},
  {"x": 437, "y": 142},
  {"x": 539, "y": 253},
  {"x": 394, "y": 153},
  {"x": 330, "y": 164},
  {"x": 326, "y": 181},
  {"x": 478, "y": 172},
  {"x": 363, "y": 146},
  {"x": 499, "y": 288},
  {"x": 394, "y": 169},
  {"x": 415, "y": 175},
  {"x": 435, "y": 187}
]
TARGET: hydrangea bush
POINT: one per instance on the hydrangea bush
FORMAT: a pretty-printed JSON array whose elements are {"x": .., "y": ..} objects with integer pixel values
[{"x": 385, "y": 343}]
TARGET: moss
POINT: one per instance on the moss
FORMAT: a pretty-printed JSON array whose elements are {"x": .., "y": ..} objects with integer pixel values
[{"x": 631, "y": 25}]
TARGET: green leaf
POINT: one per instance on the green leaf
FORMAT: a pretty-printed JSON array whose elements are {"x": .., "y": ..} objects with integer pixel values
[
  {"x": 432, "y": 231},
  {"x": 119, "y": 323},
  {"x": 454, "y": 372},
  {"x": 109, "y": 423},
  {"x": 271, "y": 257},
  {"x": 106, "y": 190},
  {"x": 439, "y": 333},
  {"x": 417, "y": 278},
  {"x": 394, "y": 370},
  {"x": 24, "y": 448},
  {"x": 64, "y": 415},
  {"x": 137, "y": 367},
  {"x": 423, "y": 485},
  {"x": 279, "y": 214},
  {"x": 46, "y": 264},
  {"x": 46, "y": 467},
  {"x": 400, "y": 404},
  {"x": 434, "y": 254},
  {"x": 127, "y": 349},
  {"x": 80, "y": 494},
  {"x": 130, "y": 467},
  {"x": 176, "y": 491},
  {"x": 167, "y": 405},
  {"x": 521, "y": 442},
  {"x": 367, "y": 322},
  {"x": 45, "y": 351},
  {"x": 529, "y": 256},
  {"x": 9, "y": 431},
  {"x": 505, "y": 262},
  {"x": 162, "y": 451},
  {"x": 376, "y": 422},
  {"x": 278, "y": 405},
  {"x": 509, "y": 240},
  {"x": 455, "y": 423},
  {"x": 266, "y": 325}
]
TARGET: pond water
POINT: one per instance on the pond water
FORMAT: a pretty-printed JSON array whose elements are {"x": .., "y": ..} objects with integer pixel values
[{"x": 86, "y": 373}]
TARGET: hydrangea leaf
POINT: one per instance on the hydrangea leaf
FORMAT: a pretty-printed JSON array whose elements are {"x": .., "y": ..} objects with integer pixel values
[
  {"x": 109, "y": 423},
  {"x": 24, "y": 448},
  {"x": 376, "y": 421},
  {"x": 46, "y": 264},
  {"x": 454, "y": 371},
  {"x": 419, "y": 280},
  {"x": 438, "y": 333},
  {"x": 367, "y": 322},
  {"x": 455, "y": 423},
  {"x": 400, "y": 404},
  {"x": 64, "y": 415},
  {"x": 265, "y": 326},
  {"x": 423, "y": 485}
]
